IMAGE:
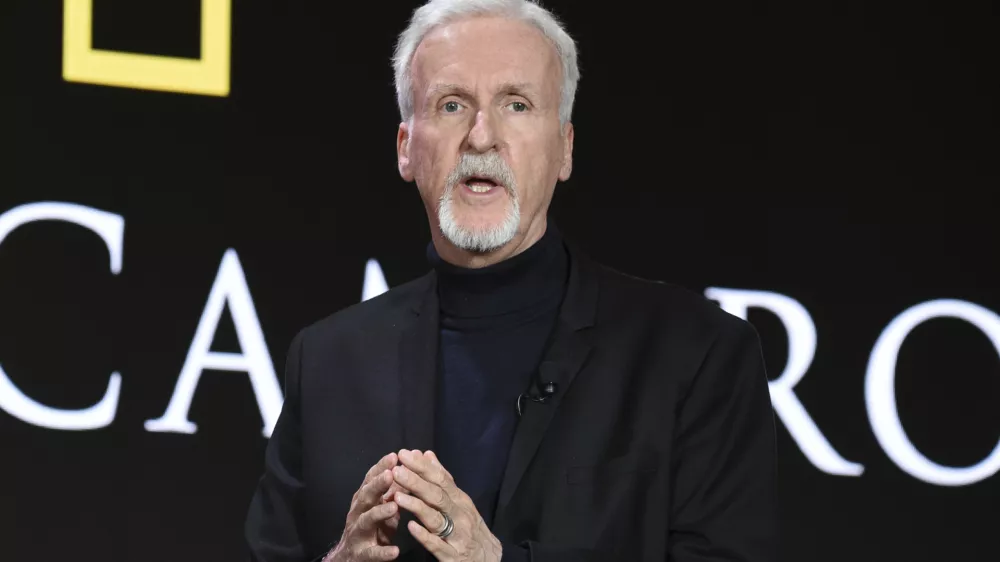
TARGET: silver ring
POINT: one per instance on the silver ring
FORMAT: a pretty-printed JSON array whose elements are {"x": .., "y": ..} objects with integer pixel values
[{"x": 449, "y": 526}]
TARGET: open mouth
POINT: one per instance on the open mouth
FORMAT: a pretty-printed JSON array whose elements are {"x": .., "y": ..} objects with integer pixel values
[{"x": 477, "y": 184}]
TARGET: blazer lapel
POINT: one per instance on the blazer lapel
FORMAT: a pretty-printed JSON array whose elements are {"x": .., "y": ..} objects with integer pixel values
[
  {"x": 418, "y": 369},
  {"x": 566, "y": 355}
]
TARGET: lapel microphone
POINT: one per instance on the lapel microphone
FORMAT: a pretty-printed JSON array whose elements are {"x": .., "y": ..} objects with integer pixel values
[{"x": 542, "y": 396}]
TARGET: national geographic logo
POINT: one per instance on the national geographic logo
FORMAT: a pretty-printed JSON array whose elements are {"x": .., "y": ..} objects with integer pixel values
[{"x": 208, "y": 75}]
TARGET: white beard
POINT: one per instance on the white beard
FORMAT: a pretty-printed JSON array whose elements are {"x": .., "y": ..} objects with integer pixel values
[
  {"x": 481, "y": 240},
  {"x": 490, "y": 238}
]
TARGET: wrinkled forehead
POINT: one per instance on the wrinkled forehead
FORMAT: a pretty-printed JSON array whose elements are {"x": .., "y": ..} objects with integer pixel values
[{"x": 486, "y": 54}]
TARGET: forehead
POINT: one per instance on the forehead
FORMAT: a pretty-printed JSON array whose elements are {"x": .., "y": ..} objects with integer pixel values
[{"x": 485, "y": 51}]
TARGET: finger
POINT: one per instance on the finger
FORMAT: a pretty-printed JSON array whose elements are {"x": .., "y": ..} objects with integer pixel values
[
  {"x": 369, "y": 494},
  {"x": 385, "y": 463},
  {"x": 370, "y": 519},
  {"x": 433, "y": 457},
  {"x": 422, "y": 466},
  {"x": 380, "y": 553},
  {"x": 410, "y": 452},
  {"x": 434, "y": 544},
  {"x": 430, "y": 518},
  {"x": 391, "y": 524},
  {"x": 430, "y": 493},
  {"x": 437, "y": 462},
  {"x": 395, "y": 487}
]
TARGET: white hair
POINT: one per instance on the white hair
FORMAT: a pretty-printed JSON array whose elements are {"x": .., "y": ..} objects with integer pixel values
[{"x": 438, "y": 12}]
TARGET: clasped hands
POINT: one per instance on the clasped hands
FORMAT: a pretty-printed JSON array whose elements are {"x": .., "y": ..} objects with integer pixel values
[{"x": 417, "y": 482}]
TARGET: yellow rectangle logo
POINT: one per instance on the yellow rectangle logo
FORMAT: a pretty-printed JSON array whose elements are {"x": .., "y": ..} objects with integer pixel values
[{"x": 208, "y": 75}]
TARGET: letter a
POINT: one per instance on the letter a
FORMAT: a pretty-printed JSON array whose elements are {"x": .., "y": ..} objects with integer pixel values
[
  {"x": 374, "y": 283},
  {"x": 801, "y": 348},
  {"x": 230, "y": 287}
]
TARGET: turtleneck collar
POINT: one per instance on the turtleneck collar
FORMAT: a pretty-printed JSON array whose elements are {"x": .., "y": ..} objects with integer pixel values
[{"x": 533, "y": 279}]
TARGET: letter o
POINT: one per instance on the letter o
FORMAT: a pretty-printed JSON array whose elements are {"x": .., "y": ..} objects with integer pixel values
[{"x": 880, "y": 394}]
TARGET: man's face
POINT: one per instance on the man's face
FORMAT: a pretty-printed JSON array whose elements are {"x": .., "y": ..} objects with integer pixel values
[{"x": 485, "y": 145}]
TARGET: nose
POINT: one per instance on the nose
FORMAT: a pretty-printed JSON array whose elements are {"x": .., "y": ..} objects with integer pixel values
[{"x": 483, "y": 134}]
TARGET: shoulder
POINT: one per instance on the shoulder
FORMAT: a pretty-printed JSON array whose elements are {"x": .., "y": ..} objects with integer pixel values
[
  {"x": 663, "y": 300},
  {"x": 690, "y": 332},
  {"x": 371, "y": 318},
  {"x": 664, "y": 312}
]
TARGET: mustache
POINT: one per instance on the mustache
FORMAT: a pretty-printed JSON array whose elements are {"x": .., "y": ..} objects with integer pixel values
[{"x": 487, "y": 165}]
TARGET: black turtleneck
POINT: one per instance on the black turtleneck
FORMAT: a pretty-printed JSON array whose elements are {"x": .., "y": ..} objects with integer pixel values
[{"x": 495, "y": 324}]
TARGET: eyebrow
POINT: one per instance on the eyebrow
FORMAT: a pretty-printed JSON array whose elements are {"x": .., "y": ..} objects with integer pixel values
[
  {"x": 517, "y": 88},
  {"x": 449, "y": 89},
  {"x": 522, "y": 88}
]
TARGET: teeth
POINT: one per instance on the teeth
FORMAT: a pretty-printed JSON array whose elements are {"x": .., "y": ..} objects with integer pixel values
[{"x": 480, "y": 187}]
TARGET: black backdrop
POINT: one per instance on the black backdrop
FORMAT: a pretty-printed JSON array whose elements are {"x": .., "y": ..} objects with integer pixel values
[{"x": 837, "y": 153}]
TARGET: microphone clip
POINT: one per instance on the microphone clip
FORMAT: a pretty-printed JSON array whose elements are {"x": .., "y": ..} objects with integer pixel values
[{"x": 545, "y": 393}]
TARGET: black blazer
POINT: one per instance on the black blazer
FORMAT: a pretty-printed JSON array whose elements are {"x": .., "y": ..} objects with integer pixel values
[{"x": 658, "y": 444}]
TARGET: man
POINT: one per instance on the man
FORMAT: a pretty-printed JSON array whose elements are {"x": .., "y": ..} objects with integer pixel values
[{"x": 519, "y": 402}]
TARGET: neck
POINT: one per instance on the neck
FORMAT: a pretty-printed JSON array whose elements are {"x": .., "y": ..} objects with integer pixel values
[
  {"x": 512, "y": 288},
  {"x": 477, "y": 260}
]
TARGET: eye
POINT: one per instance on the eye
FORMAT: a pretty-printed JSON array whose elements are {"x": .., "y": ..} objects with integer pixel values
[
  {"x": 519, "y": 107},
  {"x": 451, "y": 107}
]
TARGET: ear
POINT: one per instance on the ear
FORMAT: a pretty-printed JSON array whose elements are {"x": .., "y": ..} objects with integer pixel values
[
  {"x": 567, "y": 164},
  {"x": 403, "y": 151}
]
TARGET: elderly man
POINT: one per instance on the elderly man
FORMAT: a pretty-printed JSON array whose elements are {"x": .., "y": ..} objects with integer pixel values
[{"x": 519, "y": 402}]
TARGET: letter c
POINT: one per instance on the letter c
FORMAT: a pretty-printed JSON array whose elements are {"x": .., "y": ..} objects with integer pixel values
[{"x": 111, "y": 228}]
